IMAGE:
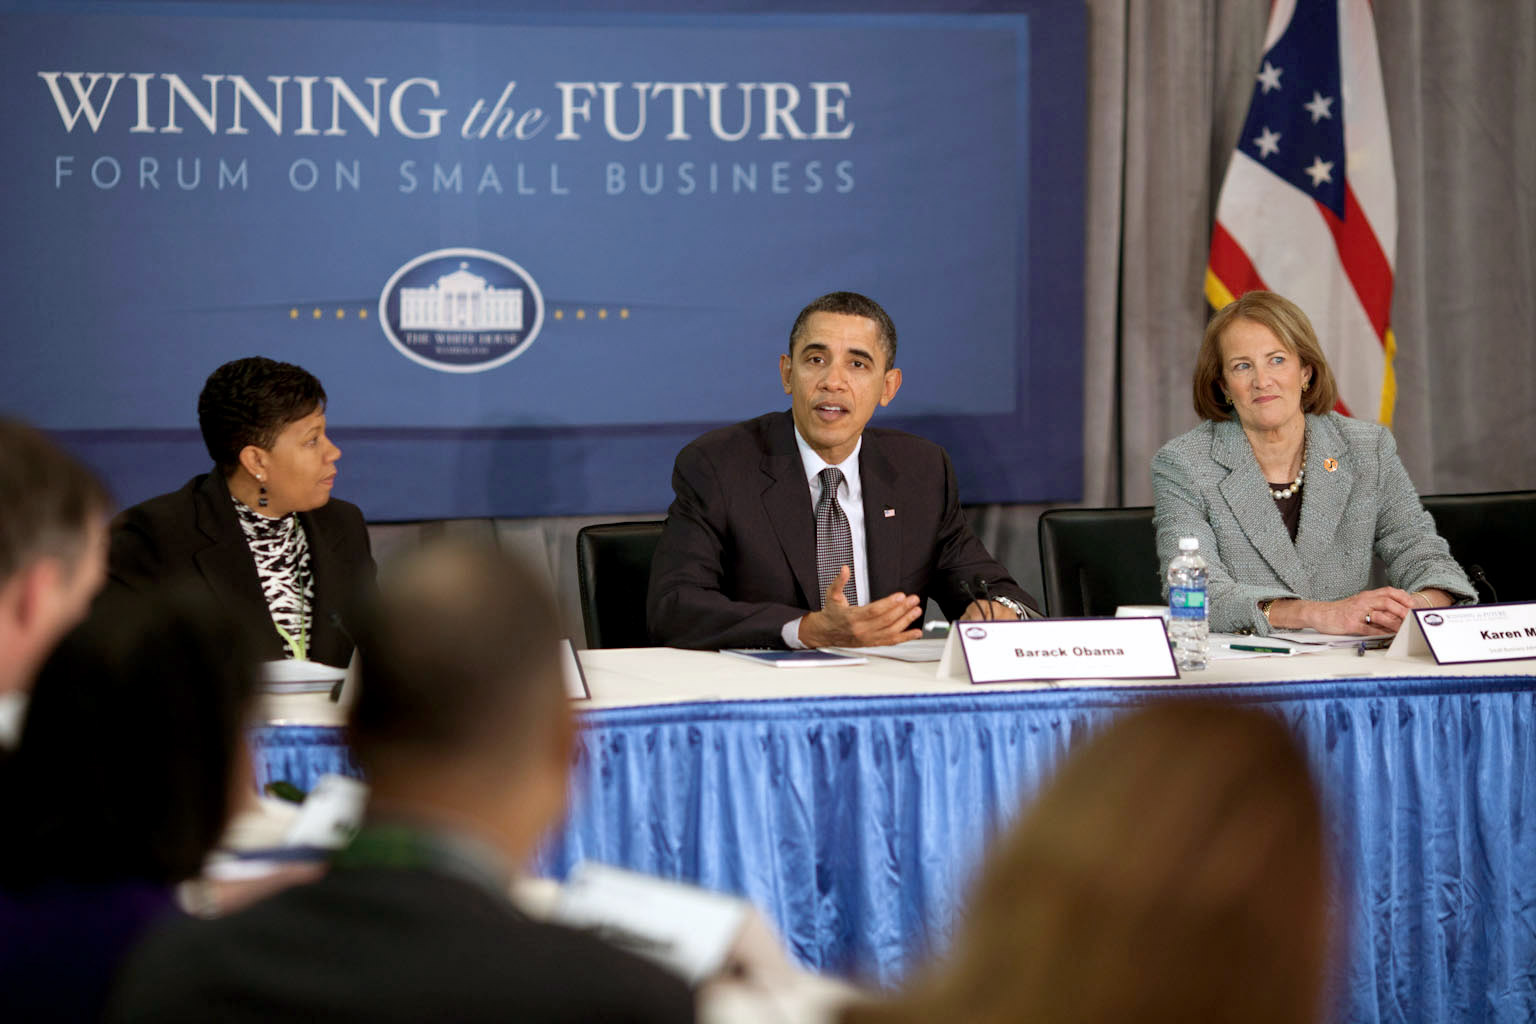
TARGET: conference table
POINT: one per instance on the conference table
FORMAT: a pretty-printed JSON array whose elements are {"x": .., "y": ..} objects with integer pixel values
[{"x": 854, "y": 804}]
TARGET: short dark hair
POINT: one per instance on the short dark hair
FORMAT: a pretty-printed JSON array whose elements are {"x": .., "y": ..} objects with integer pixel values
[
  {"x": 127, "y": 758},
  {"x": 849, "y": 304},
  {"x": 47, "y": 499},
  {"x": 1290, "y": 325},
  {"x": 459, "y": 654},
  {"x": 250, "y": 401}
]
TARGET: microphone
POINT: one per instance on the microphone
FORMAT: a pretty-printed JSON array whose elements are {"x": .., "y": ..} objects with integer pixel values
[
  {"x": 965, "y": 588},
  {"x": 1478, "y": 576},
  {"x": 336, "y": 621},
  {"x": 979, "y": 585},
  {"x": 985, "y": 587}
]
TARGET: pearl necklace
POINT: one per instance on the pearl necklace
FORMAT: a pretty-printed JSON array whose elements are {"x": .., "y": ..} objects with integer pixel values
[{"x": 1301, "y": 474}]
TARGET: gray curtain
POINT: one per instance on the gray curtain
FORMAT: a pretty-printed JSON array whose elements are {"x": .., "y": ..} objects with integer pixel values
[
  {"x": 1168, "y": 83},
  {"x": 1461, "y": 96},
  {"x": 1168, "y": 89},
  {"x": 1171, "y": 81}
]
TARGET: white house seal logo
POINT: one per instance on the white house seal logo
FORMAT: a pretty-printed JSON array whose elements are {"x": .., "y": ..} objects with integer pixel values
[{"x": 461, "y": 310}]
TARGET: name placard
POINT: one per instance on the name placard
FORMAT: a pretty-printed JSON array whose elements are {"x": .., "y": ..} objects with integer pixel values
[
  {"x": 1052, "y": 649},
  {"x": 1481, "y": 632}
]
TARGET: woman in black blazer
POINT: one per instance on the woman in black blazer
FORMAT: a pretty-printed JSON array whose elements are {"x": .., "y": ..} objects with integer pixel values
[{"x": 261, "y": 532}]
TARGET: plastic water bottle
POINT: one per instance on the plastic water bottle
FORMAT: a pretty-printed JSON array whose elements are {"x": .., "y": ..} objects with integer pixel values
[{"x": 1187, "y": 625}]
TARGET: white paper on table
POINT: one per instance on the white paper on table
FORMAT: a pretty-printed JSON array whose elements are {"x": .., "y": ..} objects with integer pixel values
[
  {"x": 13, "y": 713},
  {"x": 330, "y": 815},
  {"x": 260, "y": 825},
  {"x": 1221, "y": 652},
  {"x": 925, "y": 649},
  {"x": 1312, "y": 638},
  {"x": 294, "y": 676},
  {"x": 1221, "y": 646},
  {"x": 683, "y": 928}
]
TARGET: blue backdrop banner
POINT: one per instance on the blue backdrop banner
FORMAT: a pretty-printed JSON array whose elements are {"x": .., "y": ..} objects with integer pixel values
[{"x": 529, "y": 260}]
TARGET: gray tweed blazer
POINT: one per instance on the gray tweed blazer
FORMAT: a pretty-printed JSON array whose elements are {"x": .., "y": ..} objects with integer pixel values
[{"x": 1208, "y": 485}]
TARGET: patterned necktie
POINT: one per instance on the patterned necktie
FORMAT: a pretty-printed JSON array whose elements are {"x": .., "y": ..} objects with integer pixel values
[{"x": 834, "y": 541}]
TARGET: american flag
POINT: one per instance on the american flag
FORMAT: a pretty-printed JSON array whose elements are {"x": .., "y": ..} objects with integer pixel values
[{"x": 1309, "y": 204}]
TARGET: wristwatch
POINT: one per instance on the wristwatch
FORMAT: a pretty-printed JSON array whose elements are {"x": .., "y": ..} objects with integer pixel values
[{"x": 1011, "y": 605}]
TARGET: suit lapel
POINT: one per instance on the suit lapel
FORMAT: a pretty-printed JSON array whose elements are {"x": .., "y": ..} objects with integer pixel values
[
  {"x": 325, "y": 564},
  {"x": 226, "y": 563},
  {"x": 1325, "y": 493},
  {"x": 882, "y": 533},
  {"x": 787, "y": 500},
  {"x": 1248, "y": 499}
]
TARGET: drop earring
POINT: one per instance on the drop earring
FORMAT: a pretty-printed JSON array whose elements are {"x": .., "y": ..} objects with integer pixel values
[{"x": 261, "y": 498}]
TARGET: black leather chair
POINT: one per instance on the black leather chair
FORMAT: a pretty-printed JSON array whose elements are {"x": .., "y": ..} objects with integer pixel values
[
  {"x": 613, "y": 563},
  {"x": 1493, "y": 536},
  {"x": 1093, "y": 560}
]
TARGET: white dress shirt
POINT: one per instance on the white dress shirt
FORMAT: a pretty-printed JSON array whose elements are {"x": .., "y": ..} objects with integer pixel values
[{"x": 850, "y": 495}]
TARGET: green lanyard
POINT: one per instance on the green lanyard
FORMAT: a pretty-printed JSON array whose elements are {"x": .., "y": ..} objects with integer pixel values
[
  {"x": 403, "y": 847},
  {"x": 299, "y": 646}
]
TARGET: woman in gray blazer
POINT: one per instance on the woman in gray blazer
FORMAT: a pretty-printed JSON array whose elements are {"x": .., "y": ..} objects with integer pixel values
[{"x": 1289, "y": 499}]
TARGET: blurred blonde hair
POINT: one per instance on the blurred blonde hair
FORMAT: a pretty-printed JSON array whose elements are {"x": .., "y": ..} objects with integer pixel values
[{"x": 1172, "y": 871}]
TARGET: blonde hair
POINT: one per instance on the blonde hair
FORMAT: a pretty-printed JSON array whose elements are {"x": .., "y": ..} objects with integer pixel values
[
  {"x": 1290, "y": 325},
  {"x": 1172, "y": 871}
]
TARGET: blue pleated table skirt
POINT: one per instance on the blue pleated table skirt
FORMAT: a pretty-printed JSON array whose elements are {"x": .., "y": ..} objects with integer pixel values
[{"x": 857, "y": 823}]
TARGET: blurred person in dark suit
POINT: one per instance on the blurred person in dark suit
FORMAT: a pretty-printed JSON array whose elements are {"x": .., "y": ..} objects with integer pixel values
[
  {"x": 1173, "y": 870},
  {"x": 260, "y": 533},
  {"x": 124, "y": 777},
  {"x": 52, "y": 548},
  {"x": 464, "y": 731},
  {"x": 806, "y": 528}
]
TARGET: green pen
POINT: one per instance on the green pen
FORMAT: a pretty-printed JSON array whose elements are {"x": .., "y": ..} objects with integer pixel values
[{"x": 1259, "y": 650}]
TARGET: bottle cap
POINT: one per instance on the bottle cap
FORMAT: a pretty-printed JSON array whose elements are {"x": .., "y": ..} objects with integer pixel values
[{"x": 1189, "y": 543}]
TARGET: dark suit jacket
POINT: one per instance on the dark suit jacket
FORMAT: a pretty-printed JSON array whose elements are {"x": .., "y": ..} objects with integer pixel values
[
  {"x": 376, "y": 944},
  {"x": 194, "y": 535},
  {"x": 737, "y": 558}
]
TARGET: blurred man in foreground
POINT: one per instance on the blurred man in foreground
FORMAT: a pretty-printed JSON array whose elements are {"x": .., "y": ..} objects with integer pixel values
[
  {"x": 52, "y": 548},
  {"x": 463, "y": 729}
]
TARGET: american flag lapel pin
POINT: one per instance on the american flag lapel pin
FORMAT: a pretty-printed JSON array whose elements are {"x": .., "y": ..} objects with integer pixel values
[{"x": 888, "y": 512}]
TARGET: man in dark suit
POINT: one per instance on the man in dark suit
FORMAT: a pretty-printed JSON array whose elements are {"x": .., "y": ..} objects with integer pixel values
[
  {"x": 804, "y": 529},
  {"x": 464, "y": 730},
  {"x": 52, "y": 548}
]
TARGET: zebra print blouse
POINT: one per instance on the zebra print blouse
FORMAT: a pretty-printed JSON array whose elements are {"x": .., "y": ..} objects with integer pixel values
[{"x": 281, "y": 551}]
